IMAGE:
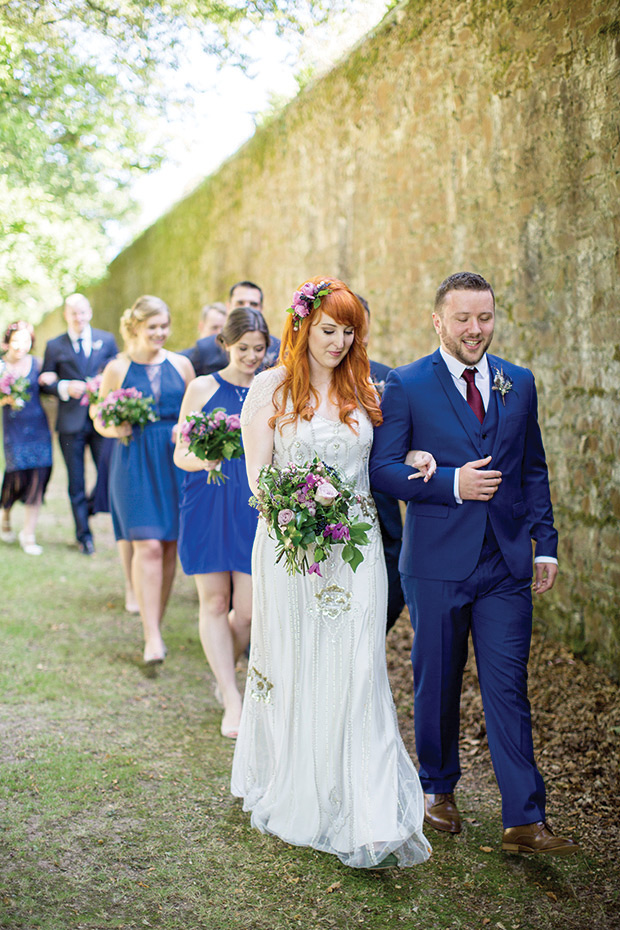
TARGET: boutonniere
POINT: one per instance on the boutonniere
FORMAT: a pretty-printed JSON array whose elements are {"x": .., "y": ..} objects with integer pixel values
[
  {"x": 97, "y": 345},
  {"x": 379, "y": 386},
  {"x": 501, "y": 383}
]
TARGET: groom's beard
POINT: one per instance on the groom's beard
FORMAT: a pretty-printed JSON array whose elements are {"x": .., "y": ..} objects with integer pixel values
[{"x": 468, "y": 355}]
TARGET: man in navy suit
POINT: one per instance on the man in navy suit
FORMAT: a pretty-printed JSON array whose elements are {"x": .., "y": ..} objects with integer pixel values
[
  {"x": 466, "y": 560},
  {"x": 208, "y": 354},
  {"x": 77, "y": 355}
]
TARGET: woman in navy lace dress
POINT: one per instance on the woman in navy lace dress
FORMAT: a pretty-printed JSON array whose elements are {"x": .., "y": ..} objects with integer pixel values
[
  {"x": 27, "y": 440},
  {"x": 144, "y": 482},
  {"x": 217, "y": 523}
]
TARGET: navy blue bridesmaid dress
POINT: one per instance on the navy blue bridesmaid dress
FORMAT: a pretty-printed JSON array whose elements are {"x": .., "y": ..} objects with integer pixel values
[
  {"x": 217, "y": 525},
  {"x": 144, "y": 482}
]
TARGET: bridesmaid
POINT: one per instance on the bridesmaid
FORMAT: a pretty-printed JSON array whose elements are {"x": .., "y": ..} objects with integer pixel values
[
  {"x": 144, "y": 483},
  {"x": 27, "y": 440},
  {"x": 217, "y": 525}
]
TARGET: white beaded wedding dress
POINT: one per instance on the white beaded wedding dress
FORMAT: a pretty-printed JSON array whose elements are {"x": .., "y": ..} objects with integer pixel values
[{"x": 319, "y": 760}]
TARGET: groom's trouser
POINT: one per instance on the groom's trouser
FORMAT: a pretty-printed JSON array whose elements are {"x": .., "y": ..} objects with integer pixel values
[{"x": 497, "y": 608}]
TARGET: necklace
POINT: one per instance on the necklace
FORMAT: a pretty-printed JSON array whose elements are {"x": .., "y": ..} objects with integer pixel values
[{"x": 241, "y": 392}]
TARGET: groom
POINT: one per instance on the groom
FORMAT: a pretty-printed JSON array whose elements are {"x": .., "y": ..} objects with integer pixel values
[{"x": 466, "y": 561}]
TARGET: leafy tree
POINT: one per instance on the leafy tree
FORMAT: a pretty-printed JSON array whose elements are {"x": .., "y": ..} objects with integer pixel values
[{"x": 79, "y": 82}]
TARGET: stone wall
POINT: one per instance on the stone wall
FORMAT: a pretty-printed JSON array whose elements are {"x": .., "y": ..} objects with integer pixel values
[{"x": 480, "y": 134}]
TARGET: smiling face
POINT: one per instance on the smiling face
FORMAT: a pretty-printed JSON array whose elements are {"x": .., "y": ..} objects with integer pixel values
[
  {"x": 244, "y": 296},
  {"x": 328, "y": 342},
  {"x": 247, "y": 354},
  {"x": 465, "y": 324},
  {"x": 77, "y": 313},
  {"x": 152, "y": 333},
  {"x": 19, "y": 346}
]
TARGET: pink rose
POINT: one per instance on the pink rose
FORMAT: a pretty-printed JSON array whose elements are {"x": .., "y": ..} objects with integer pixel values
[
  {"x": 285, "y": 517},
  {"x": 233, "y": 421},
  {"x": 300, "y": 307},
  {"x": 326, "y": 494}
]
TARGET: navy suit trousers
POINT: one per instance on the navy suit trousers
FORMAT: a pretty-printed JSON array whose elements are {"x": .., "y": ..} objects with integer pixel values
[
  {"x": 73, "y": 447},
  {"x": 497, "y": 609}
]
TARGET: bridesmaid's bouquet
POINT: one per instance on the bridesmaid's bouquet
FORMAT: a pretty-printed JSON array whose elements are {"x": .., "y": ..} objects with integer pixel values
[
  {"x": 213, "y": 435},
  {"x": 127, "y": 405},
  {"x": 13, "y": 390},
  {"x": 307, "y": 510},
  {"x": 91, "y": 391}
]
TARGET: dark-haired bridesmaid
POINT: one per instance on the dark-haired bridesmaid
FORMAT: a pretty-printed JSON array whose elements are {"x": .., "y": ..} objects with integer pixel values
[{"x": 217, "y": 525}]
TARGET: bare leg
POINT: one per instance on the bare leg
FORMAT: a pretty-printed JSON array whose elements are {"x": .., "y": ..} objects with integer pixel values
[
  {"x": 169, "y": 569},
  {"x": 31, "y": 515},
  {"x": 219, "y": 643},
  {"x": 7, "y": 533},
  {"x": 27, "y": 539},
  {"x": 148, "y": 574},
  {"x": 240, "y": 616},
  {"x": 125, "y": 554}
]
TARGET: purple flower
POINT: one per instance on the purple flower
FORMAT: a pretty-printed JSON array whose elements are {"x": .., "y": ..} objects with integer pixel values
[
  {"x": 233, "y": 421},
  {"x": 300, "y": 307},
  {"x": 337, "y": 531},
  {"x": 315, "y": 570},
  {"x": 285, "y": 516},
  {"x": 326, "y": 494}
]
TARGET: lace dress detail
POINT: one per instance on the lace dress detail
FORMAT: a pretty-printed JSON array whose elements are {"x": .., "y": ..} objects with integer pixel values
[
  {"x": 261, "y": 393},
  {"x": 319, "y": 760}
]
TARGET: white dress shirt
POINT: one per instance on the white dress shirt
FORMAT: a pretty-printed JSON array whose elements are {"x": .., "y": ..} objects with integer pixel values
[{"x": 87, "y": 346}]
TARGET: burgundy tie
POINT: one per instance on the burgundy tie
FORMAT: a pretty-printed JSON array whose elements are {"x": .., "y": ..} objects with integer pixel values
[{"x": 474, "y": 397}]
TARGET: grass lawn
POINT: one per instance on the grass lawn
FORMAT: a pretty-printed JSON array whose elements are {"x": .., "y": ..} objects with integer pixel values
[{"x": 115, "y": 809}]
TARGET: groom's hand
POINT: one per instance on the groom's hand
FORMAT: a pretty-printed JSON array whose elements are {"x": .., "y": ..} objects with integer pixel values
[
  {"x": 545, "y": 574},
  {"x": 477, "y": 484}
]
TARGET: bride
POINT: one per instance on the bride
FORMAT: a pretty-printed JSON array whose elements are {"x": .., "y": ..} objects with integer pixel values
[{"x": 319, "y": 760}]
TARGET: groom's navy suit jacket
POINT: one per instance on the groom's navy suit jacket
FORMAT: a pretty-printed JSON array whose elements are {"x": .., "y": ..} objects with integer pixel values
[{"x": 443, "y": 539}]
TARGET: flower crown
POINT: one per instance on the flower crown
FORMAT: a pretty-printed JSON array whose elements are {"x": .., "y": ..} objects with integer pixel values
[{"x": 306, "y": 299}]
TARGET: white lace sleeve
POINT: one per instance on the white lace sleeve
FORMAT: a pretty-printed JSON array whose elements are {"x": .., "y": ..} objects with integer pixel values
[{"x": 261, "y": 393}]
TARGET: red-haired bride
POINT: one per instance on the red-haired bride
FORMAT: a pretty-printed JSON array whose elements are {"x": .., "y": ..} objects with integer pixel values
[{"x": 319, "y": 760}]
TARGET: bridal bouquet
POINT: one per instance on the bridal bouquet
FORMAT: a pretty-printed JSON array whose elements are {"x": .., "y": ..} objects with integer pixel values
[
  {"x": 127, "y": 405},
  {"x": 13, "y": 390},
  {"x": 307, "y": 511},
  {"x": 213, "y": 435},
  {"x": 91, "y": 392}
]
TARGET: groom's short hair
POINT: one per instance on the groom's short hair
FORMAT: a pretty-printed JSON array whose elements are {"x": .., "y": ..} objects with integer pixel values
[{"x": 461, "y": 281}]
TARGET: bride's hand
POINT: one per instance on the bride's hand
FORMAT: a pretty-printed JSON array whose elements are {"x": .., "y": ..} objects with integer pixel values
[{"x": 424, "y": 462}]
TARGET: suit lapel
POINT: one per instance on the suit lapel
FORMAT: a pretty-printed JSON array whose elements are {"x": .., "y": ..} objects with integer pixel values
[
  {"x": 461, "y": 408},
  {"x": 96, "y": 348},
  {"x": 495, "y": 364}
]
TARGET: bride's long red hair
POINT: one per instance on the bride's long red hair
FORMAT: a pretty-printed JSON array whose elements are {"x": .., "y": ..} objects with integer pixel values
[{"x": 351, "y": 386}]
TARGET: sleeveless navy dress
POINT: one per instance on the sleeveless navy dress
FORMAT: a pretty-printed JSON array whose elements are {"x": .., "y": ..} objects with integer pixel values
[
  {"x": 27, "y": 447},
  {"x": 217, "y": 525},
  {"x": 144, "y": 482}
]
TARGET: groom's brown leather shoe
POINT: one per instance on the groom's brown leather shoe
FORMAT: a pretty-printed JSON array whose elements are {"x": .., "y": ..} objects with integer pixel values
[
  {"x": 441, "y": 812},
  {"x": 537, "y": 838}
]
